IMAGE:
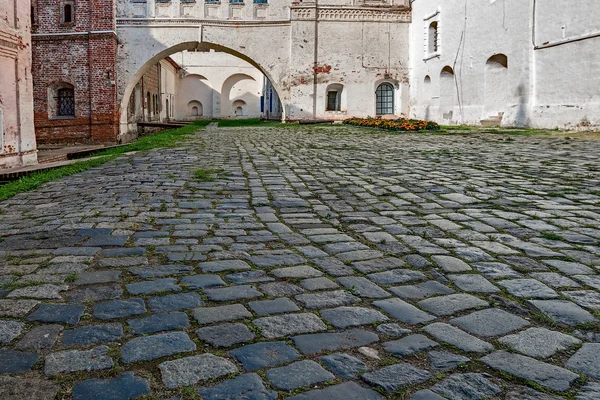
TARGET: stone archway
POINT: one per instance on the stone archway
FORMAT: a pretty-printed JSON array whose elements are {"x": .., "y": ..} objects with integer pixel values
[{"x": 140, "y": 50}]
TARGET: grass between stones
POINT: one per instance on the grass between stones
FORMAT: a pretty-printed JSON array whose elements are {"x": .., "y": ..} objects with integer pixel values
[{"x": 169, "y": 138}]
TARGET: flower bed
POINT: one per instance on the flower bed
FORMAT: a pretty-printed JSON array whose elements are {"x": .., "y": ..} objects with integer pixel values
[{"x": 399, "y": 125}]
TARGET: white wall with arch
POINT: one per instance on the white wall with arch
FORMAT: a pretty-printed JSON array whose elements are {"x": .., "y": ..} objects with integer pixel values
[{"x": 532, "y": 62}]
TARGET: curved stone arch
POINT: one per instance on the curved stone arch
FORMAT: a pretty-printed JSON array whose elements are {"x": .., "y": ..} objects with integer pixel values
[
  {"x": 195, "y": 87},
  {"x": 228, "y": 108},
  {"x": 496, "y": 95},
  {"x": 140, "y": 50},
  {"x": 195, "y": 109}
]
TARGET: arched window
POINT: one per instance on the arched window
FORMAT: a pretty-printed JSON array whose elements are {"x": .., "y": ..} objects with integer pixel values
[
  {"x": 433, "y": 37},
  {"x": 66, "y": 102},
  {"x": 68, "y": 14},
  {"x": 334, "y": 97},
  {"x": 168, "y": 109},
  {"x": 384, "y": 99}
]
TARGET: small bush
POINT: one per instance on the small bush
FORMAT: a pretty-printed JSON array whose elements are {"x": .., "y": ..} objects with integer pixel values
[{"x": 397, "y": 125}]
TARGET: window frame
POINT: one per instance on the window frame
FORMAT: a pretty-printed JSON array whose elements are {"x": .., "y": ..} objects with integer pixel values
[{"x": 385, "y": 102}]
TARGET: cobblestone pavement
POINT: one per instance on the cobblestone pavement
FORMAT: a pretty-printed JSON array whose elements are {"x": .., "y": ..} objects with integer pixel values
[{"x": 320, "y": 263}]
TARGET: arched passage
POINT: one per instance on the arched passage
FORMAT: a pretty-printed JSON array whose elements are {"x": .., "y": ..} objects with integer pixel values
[
  {"x": 447, "y": 93},
  {"x": 496, "y": 90},
  {"x": 135, "y": 67}
]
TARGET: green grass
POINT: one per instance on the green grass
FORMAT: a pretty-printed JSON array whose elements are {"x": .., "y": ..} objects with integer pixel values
[
  {"x": 207, "y": 174},
  {"x": 30, "y": 182}
]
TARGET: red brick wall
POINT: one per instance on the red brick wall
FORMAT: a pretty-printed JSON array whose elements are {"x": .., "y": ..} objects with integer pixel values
[{"x": 86, "y": 61}]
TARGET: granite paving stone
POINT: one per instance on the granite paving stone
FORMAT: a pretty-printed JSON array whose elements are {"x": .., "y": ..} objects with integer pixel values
[
  {"x": 426, "y": 394},
  {"x": 344, "y": 365},
  {"x": 233, "y": 293},
  {"x": 301, "y": 271},
  {"x": 539, "y": 342},
  {"x": 421, "y": 290},
  {"x": 10, "y": 330},
  {"x": 156, "y": 286},
  {"x": 95, "y": 294},
  {"x": 119, "y": 309},
  {"x": 327, "y": 299},
  {"x": 225, "y": 335},
  {"x": 403, "y": 311},
  {"x": 363, "y": 287},
  {"x": 343, "y": 391},
  {"x": 393, "y": 330},
  {"x": 156, "y": 346},
  {"x": 248, "y": 386},
  {"x": 562, "y": 311},
  {"x": 591, "y": 391},
  {"x": 65, "y": 313},
  {"x": 232, "y": 312},
  {"x": 161, "y": 270},
  {"x": 585, "y": 298},
  {"x": 343, "y": 317},
  {"x": 289, "y": 324},
  {"x": 396, "y": 276},
  {"x": 14, "y": 362},
  {"x": 318, "y": 284},
  {"x": 275, "y": 306},
  {"x": 451, "y": 264},
  {"x": 224, "y": 265},
  {"x": 174, "y": 302},
  {"x": 409, "y": 345},
  {"x": 528, "y": 288},
  {"x": 254, "y": 276},
  {"x": 202, "y": 281},
  {"x": 16, "y": 308},
  {"x": 449, "y": 334},
  {"x": 191, "y": 370},
  {"x": 264, "y": 354},
  {"x": 547, "y": 375},
  {"x": 473, "y": 283},
  {"x": 490, "y": 322},
  {"x": 159, "y": 322},
  {"x": 586, "y": 360},
  {"x": 319, "y": 342},
  {"x": 444, "y": 360},
  {"x": 12, "y": 388},
  {"x": 298, "y": 374},
  {"x": 40, "y": 338},
  {"x": 469, "y": 386},
  {"x": 451, "y": 304},
  {"x": 92, "y": 334},
  {"x": 78, "y": 360},
  {"x": 394, "y": 377},
  {"x": 123, "y": 387}
]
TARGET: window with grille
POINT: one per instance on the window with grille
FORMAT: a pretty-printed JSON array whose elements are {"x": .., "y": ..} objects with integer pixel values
[
  {"x": 66, "y": 102},
  {"x": 433, "y": 38},
  {"x": 384, "y": 98},
  {"x": 332, "y": 101}
]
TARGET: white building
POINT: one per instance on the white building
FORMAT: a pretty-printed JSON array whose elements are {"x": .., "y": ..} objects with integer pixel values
[
  {"x": 509, "y": 62},
  {"x": 217, "y": 85}
]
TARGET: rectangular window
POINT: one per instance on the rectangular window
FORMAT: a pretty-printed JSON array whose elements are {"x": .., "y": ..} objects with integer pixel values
[
  {"x": 66, "y": 103},
  {"x": 236, "y": 1},
  {"x": 68, "y": 14},
  {"x": 260, "y": 1},
  {"x": 332, "y": 101}
]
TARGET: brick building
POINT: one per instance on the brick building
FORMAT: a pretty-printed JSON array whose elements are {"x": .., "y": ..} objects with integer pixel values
[
  {"x": 74, "y": 71},
  {"x": 17, "y": 138}
]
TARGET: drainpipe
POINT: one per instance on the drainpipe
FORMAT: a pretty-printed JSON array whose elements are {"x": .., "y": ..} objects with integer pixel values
[{"x": 316, "y": 57}]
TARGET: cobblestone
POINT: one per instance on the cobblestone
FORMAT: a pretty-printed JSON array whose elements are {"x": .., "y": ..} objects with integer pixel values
[{"x": 331, "y": 241}]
